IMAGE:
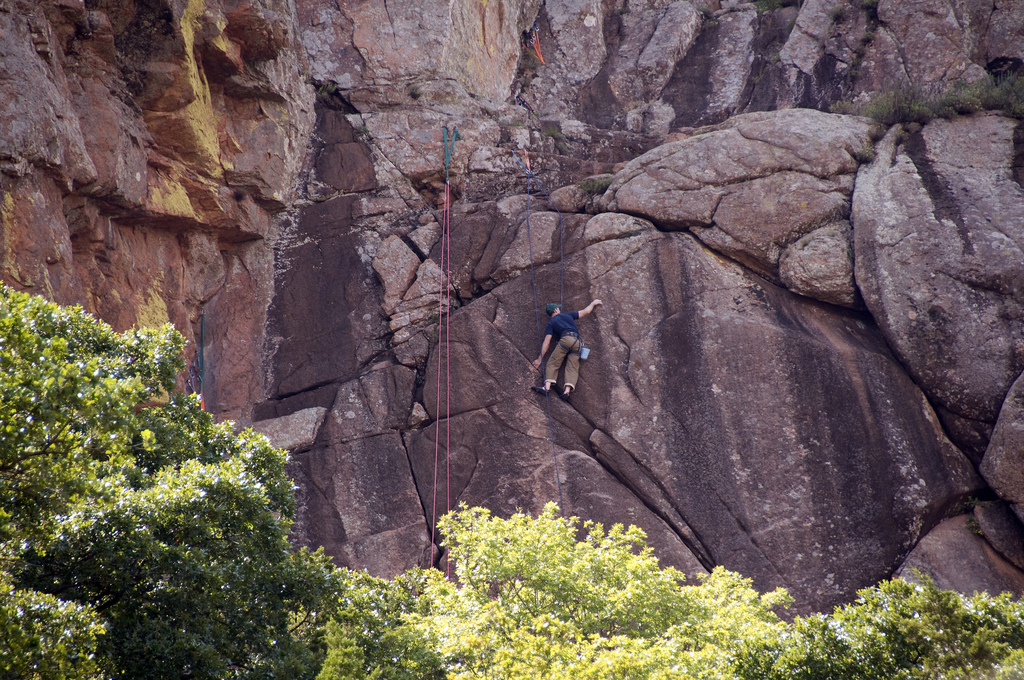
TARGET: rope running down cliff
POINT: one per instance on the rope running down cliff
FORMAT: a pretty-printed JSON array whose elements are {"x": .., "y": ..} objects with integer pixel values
[{"x": 444, "y": 315}]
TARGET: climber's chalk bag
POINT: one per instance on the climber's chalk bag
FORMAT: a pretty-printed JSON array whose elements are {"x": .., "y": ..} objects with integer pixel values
[{"x": 584, "y": 353}]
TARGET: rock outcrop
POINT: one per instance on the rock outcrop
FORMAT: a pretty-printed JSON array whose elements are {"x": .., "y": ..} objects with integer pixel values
[
  {"x": 809, "y": 359},
  {"x": 939, "y": 230},
  {"x": 145, "y": 150}
]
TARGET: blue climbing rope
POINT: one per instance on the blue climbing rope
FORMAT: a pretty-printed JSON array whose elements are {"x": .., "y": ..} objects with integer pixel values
[{"x": 531, "y": 177}]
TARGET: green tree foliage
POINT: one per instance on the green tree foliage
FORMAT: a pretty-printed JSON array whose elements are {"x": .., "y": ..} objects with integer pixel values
[
  {"x": 164, "y": 527},
  {"x": 900, "y": 631},
  {"x": 554, "y": 598},
  {"x": 535, "y": 599},
  {"x": 370, "y": 636}
]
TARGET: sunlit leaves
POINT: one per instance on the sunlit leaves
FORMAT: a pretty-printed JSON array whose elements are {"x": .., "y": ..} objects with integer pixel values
[
  {"x": 563, "y": 600},
  {"x": 556, "y": 598}
]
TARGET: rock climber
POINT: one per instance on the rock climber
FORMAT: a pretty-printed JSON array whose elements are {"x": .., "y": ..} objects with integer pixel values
[{"x": 562, "y": 327}]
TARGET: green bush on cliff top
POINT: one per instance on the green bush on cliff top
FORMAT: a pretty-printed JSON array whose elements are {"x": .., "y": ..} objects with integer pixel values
[{"x": 921, "y": 105}]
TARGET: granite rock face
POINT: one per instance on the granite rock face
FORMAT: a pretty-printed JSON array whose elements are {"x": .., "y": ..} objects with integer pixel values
[
  {"x": 811, "y": 339},
  {"x": 957, "y": 558},
  {"x": 752, "y": 187},
  {"x": 939, "y": 245},
  {"x": 146, "y": 149},
  {"x": 675, "y": 402}
]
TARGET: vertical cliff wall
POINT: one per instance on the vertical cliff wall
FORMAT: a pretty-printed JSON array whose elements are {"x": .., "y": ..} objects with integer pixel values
[{"x": 808, "y": 361}]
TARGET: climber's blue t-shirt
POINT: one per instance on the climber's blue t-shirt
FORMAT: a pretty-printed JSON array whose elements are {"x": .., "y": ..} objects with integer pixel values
[{"x": 561, "y": 324}]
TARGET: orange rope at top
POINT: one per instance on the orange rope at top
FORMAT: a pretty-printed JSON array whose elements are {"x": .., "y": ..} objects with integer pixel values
[{"x": 534, "y": 41}]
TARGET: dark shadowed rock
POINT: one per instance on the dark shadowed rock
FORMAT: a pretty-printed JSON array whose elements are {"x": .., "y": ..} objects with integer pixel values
[
  {"x": 1003, "y": 464},
  {"x": 327, "y": 321},
  {"x": 1003, "y": 530}
]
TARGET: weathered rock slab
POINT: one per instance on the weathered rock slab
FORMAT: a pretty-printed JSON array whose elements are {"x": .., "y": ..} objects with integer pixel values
[
  {"x": 939, "y": 245},
  {"x": 358, "y": 500},
  {"x": 1002, "y": 529},
  {"x": 730, "y": 405},
  {"x": 958, "y": 559},
  {"x": 820, "y": 265},
  {"x": 295, "y": 431}
]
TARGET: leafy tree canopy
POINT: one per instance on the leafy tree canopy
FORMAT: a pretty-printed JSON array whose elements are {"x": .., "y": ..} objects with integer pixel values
[
  {"x": 138, "y": 539},
  {"x": 556, "y": 598}
]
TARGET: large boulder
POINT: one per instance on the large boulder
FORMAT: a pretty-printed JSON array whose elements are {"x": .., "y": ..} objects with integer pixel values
[
  {"x": 1003, "y": 464},
  {"x": 939, "y": 243},
  {"x": 761, "y": 428},
  {"x": 752, "y": 187}
]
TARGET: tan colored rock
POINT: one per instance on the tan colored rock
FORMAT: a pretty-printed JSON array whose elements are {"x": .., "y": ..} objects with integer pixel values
[
  {"x": 750, "y": 146},
  {"x": 613, "y": 225},
  {"x": 673, "y": 37},
  {"x": 756, "y": 220},
  {"x": 570, "y": 199},
  {"x": 412, "y": 140},
  {"x": 805, "y": 45},
  {"x": 539, "y": 238},
  {"x": 396, "y": 265},
  {"x": 820, "y": 265},
  {"x": 292, "y": 432},
  {"x": 425, "y": 290},
  {"x": 709, "y": 85},
  {"x": 654, "y": 38},
  {"x": 1003, "y": 464},
  {"x": 934, "y": 39},
  {"x": 362, "y": 44},
  {"x": 957, "y": 559},
  {"x": 751, "y": 187},
  {"x": 939, "y": 246},
  {"x": 418, "y": 416},
  {"x": 425, "y": 237}
]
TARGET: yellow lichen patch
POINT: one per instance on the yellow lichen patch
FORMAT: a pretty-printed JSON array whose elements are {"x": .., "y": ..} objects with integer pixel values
[
  {"x": 168, "y": 197},
  {"x": 9, "y": 253},
  {"x": 199, "y": 114},
  {"x": 7, "y": 209},
  {"x": 152, "y": 312}
]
